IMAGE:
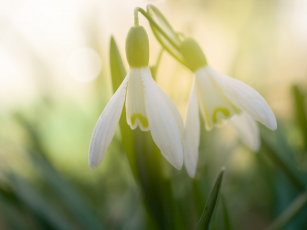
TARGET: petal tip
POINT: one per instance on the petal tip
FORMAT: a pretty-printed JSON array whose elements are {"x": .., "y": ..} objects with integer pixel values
[
  {"x": 191, "y": 173},
  {"x": 93, "y": 164},
  {"x": 178, "y": 165},
  {"x": 274, "y": 127},
  {"x": 255, "y": 147},
  {"x": 92, "y": 161},
  {"x": 190, "y": 166}
]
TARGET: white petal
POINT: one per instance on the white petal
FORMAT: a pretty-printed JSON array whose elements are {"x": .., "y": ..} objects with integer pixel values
[
  {"x": 214, "y": 105},
  {"x": 191, "y": 134},
  {"x": 172, "y": 107},
  {"x": 106, "y": 126},
  {"x": 135, "y": 104},
  {"x": 246, "y": 98},
  {"x": 247, "y": 129},
  {"x": 163, "y": 126}
]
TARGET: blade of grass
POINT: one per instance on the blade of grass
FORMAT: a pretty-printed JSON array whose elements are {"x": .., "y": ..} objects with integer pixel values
[
  {"x": 301, "y": 116},
  {"x": 39, "y": 204},
  {"x": 212, "y": 203},
  {"x": 291, "y": 211},
  {"x": 227, "y": 223},
  {"x": 273, "y": 153},
  {"x": 67, "y": 193}
]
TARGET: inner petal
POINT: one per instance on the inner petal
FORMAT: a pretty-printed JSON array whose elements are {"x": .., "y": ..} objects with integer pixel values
[
  {"x": 215, "y": 107},
  {"x": 135, "y": 104}
]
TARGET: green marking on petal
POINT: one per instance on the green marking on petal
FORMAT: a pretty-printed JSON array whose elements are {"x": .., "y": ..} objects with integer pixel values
[
  {"x": 141, "y": 118},
  {"x": 236, "y": 110},
  {"x": 222, "y": 110}
]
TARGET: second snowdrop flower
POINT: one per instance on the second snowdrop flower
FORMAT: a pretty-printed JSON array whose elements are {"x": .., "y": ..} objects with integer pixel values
[
  {"x": 147, "y": 106},
  {"x": 220, "y": 98}
]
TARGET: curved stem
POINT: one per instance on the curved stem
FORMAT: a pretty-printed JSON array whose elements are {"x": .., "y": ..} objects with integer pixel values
[
  {"x": 136, "y": 17},
  {"x": 136, "y": 22}
]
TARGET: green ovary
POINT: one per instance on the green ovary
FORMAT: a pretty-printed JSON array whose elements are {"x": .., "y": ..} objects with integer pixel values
[
  {"x": 222, "y": 110},
  {"x": 141, "y": 118}
]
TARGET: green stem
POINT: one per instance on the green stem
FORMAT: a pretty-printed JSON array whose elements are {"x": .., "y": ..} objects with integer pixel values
[
  {"x": 159, "y": 58},
  {"x": 294, "y": 208},
  {"x": 136, "y": 19}
]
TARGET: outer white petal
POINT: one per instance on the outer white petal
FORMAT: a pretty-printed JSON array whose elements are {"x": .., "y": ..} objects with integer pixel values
[
  {"x": 163, "y": 126},
  {"x": 246, "y": 98},
  {"x": 191, "y": 134},
  {"x": 106, "y": 126},
  {"x": 247, "y": 129},
  {"x": 173, "y": 108}
]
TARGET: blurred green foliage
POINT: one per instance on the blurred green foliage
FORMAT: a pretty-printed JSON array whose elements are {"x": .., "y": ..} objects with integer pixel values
[{"x": 43, "y": 185}]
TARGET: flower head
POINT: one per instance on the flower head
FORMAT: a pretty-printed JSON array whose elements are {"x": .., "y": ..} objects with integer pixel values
[
  {"x": 220, "y": 98},
  {"x": 147, "y": 107}
]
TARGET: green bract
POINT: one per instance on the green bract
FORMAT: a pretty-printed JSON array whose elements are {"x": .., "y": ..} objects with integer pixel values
[
  {"x": 137, "y": 47},
  {"x": 192, "y": 54}
]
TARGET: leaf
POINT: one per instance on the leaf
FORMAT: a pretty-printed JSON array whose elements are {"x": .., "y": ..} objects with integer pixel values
[
  {"x": 39, "y": 204},
  {"x": 227, "y": 223},
  {"x": 282, "y": 156},
  {"x": 10, "y": 210},
  {"x": 173, "y": 46},
  {"x": 118, "y": 70},
  {"x": 284, "y": 194},
  {"x": 118, "y": 74},
  {"x": 66, "y": 192},
  {"x": 212, "y": 203},
  {"x": 291, "y": 212},
  {"x": 300, "y": 112}
]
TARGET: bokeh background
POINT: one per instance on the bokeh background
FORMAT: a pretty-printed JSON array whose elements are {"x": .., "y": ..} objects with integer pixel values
[{"x": 55, "y": 81}]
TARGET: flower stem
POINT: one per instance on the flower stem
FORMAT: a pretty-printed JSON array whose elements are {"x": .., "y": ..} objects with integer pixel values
[
  {"x": 159, "y": 58},
  {"x": 136, "y": 16}
]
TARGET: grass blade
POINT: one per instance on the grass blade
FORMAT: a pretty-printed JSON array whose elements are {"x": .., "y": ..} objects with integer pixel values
[
  {"x": 275, "y": 154},
  {"x": 212, "y": 203},
  {"x": 293, "y": 209},
  {"x": 300, "y": 112},
  {"x": 227, "y": 223}
]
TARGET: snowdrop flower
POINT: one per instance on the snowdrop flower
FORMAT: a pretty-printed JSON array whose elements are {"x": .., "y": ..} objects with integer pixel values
[
  {"x": 220, "y": 98},
  {"x": 147, "y": 107}
]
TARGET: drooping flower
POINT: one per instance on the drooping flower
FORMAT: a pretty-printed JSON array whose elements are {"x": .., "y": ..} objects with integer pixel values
[
  {"x": 220, "y": 98},
  {"x": 147, "y": 106}
]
